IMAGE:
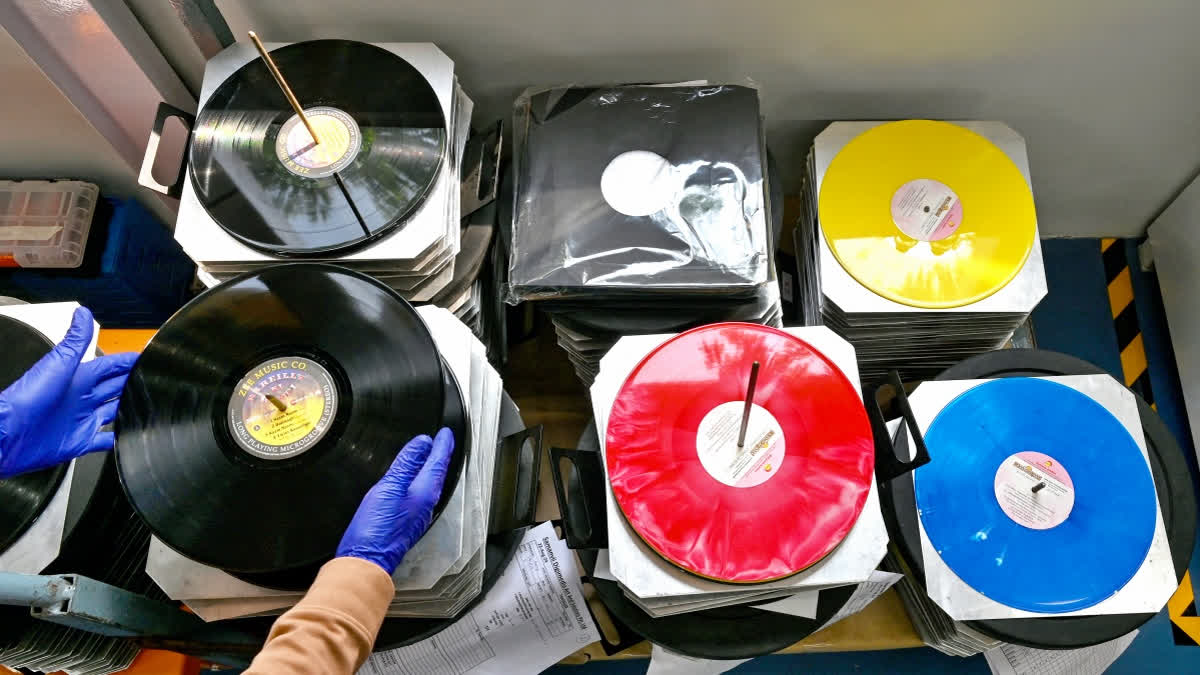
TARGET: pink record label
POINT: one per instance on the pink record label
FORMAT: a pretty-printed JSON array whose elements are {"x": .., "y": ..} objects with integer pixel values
[{"x": 1034, "y": 490}]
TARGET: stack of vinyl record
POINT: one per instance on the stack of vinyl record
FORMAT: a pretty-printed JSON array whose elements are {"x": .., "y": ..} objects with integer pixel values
[
  {"x": 1055, "y": 510},
  {"x": 70, "y": 519},
  {"x": 248, "y": 455},
  {"x": 919, "y": 241},
  {"x": 697, "y": 521},
  {"x": 641, "y": 210},
  {"x": 465, "y": 296},
  {"x": 379, "y": 190}
]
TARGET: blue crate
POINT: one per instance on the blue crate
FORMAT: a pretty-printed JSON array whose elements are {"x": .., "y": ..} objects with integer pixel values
[{"x": 137, "y": 277}]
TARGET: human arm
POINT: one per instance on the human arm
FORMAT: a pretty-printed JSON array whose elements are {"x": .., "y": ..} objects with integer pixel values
[{"x": 332, "y": 629}]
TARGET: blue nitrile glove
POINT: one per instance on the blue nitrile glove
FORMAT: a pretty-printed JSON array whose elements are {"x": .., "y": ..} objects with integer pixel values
[
  {"x": 399, "y": 509},
  {"x": 53, "y": 414}
]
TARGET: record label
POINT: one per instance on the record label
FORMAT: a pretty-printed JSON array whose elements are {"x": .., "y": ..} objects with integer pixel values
[
  {"x": 756, "y": 461},
  {"x": 1034, "y": 490},
  {"x": 282, "y": 407},
  {"x": 926, "y": 209},
  {"x": 340, "y": 143}
]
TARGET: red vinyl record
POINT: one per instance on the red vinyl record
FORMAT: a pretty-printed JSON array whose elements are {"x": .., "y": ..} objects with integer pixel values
[{"x": 767, "y": 510}]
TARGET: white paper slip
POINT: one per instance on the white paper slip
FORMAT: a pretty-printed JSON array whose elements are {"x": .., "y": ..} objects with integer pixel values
[
  {"x": 531, "y": 619},
  {"x": 663, "y": 661},
  {"x": 802, "y": 604},
  {"x": 864, "y": 595},
  {"x": 1016, "y": 660}
]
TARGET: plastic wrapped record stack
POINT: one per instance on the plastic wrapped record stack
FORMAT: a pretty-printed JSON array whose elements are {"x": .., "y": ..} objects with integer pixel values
[
  {"x": 641, "y": 210},
  {"x": 322, "y": 374},
  {"x": 1053, "y": 511},
  {"x": 70, "y": 519},
  {"x": 379, "y": 190},
  {"x": 919, "y": 241},
  {"x": 699, "y": 523}
]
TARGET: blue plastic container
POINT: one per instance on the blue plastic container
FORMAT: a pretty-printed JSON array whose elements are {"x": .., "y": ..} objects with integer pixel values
[{"x": 134, "y": 274}]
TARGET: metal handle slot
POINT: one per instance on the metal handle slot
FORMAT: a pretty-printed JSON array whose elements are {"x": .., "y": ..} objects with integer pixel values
[
  {"x": 888, "y": 464},
  {"x": 580, "y": 497},
  {"x": 146, "y": 175},
  {"x": 515, "y": 482}
]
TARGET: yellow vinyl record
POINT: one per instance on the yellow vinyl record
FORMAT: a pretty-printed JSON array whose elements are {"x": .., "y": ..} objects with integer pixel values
[{"x": 927, "y": 214}]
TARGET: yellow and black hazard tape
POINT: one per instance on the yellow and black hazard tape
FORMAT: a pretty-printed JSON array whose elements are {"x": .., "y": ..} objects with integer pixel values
[
  {"x": 1124, "y": 314},
  {"x": 1185, "y": 624}
]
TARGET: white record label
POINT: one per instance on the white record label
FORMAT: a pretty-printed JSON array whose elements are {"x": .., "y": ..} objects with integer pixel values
[{"x": 757, "y": 461}]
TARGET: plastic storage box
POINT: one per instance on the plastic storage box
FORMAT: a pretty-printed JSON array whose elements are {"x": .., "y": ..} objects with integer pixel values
[
  {"x": 133, "y": 273},
  {"x": 45, "y": 223}
]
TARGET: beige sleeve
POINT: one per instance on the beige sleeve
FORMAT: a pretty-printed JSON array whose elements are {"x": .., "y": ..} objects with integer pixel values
[{"x": 331, "y": 630}]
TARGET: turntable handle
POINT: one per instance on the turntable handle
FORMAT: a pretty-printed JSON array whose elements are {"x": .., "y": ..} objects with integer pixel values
[
  {"x": 515, "y": 481},
  {"x": 580, "y": 497},
  {"x": 888, "y": 465},
  {"x": 146, "y": 175}
]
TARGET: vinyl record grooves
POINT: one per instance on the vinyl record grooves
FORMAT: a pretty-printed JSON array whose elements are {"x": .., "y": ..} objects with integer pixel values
[
  {"x": 399, "y": 632},
  {"x": 262, "y": 412},
  {"x": 382, "y": 139},
  {"x": 455, "y": 417},
  {"x": 751, "y": 514},
  {"x": 1172, "y": 481},
  {"x": 22, "y": 498},
  {"x": 927, "y": 214}
]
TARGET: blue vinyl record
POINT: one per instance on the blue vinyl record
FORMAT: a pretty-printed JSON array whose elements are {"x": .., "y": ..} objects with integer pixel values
[{"x": 1035, "y": 495}]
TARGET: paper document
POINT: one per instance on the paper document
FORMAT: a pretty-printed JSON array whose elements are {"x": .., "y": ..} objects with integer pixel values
[
  {"x": 663, "y": 661},
  {"x": 532, "y": 618},
  {"x": 1016, "y": 660},
  {"x": 864, "y": 595}
]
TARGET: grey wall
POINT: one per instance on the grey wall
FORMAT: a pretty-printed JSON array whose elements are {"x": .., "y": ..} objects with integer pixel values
[
  {"x": 42, "y": 135},
  {"x": 1107, "y": 93}
]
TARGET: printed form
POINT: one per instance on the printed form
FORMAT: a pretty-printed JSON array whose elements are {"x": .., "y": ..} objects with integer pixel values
[
  {"x": 532, "y": 618},
  {"x": 1017, "y": 660}
]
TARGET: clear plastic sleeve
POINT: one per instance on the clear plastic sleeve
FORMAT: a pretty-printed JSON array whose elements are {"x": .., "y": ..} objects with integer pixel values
[{"x": 638, "y": 189}]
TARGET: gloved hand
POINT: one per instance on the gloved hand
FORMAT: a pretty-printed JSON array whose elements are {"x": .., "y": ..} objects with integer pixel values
[
  {"x": 399, "y": 509},
  {"x": 54, "y": 412}
]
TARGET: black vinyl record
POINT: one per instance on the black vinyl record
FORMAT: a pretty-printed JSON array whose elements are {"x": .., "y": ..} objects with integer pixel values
[
  {"x": 261, "y": 413},
  {"x": 396, "y": 632},
  {"x": 23, "y": 497},
  {"x": 382, "y": 134},
  {"x": 1172, "y": 481},
  {"x": 454, "y": 416}
]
